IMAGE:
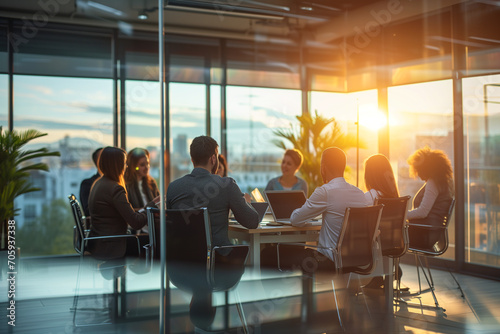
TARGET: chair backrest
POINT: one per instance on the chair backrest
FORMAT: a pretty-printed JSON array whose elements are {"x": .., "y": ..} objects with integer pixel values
[
  {"x": 393, "y": 227},
  {"x": 152, "y": 215},
  {"x": 356, "y": 240},
  {"x": 79, "y": 234},
  {"x": 430, "y": 239}
]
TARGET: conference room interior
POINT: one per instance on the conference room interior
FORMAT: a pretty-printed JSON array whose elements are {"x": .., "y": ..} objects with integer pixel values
[{"x": 396, "y": 76}]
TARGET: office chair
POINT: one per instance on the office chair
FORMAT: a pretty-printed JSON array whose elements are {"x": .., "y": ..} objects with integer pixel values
[
  {"x": 114, "y": 271},
  {"x": 196, "y": 266},
  {"x": 355, "y": 248},
  {"x": 394, "y": 231},
  {"x": 434, "y": 244}
]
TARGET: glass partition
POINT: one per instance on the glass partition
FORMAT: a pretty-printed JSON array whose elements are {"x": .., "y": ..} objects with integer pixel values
[
  {"x": 481, "y": 104},
  {"x": 252, "y": 116},
  {"x": 420, "y": 115},
  {"x": 76, "y": 113}
]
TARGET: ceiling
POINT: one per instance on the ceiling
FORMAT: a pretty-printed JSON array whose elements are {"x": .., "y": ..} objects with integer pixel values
[{"x": 319, "y": 20}]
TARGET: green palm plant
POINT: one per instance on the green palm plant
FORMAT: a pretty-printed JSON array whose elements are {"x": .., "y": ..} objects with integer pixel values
[
  {"x": 312, "y": 136},
  {"x": 15, "y": 168}
]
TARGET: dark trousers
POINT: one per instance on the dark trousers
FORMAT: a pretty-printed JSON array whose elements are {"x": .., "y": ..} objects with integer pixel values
[{"x": 294, "y": 258}]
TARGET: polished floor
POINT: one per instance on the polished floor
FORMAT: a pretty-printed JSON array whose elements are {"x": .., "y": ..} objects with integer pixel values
[{"x": 273, "y": 302}]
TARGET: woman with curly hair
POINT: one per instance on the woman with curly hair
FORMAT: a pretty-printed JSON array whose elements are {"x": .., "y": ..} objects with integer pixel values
[
  {"x": 141, "y": 187},
  {"x": 432, "y": 201}
]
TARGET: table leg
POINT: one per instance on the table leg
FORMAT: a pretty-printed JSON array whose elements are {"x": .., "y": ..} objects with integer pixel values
[{"x": 255, "y": 249}]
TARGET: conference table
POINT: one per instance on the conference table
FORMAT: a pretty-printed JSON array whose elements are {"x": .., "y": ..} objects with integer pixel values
[{"x": 266, "y": 234}]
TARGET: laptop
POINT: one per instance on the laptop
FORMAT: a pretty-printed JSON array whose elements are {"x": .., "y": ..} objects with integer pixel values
[
  {"x": 282, "y": 203},
  {"x": 261, "y": 208}
]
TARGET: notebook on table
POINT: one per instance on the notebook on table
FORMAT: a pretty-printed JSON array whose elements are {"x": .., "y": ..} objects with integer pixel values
[{"x": 282, "y": 203}]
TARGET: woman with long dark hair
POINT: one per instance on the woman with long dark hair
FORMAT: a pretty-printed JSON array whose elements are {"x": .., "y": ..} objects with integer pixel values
[
  {"x": 141, "y": 187},
  {"x": 380, "y": 183},
  {"x": 110, "y": 209}
]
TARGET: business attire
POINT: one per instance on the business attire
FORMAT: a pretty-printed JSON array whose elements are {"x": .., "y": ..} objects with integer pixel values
[
  {"x": 274, "y": 184},
  {"x": 431, "y": 205},
  {"x": 85, "y": 187},
  {"x": 218, "y": 195},
  {"x": 141, "y": 193},
  {"x": 111, "y": 215},
  {"x": 330, "y": 200}
]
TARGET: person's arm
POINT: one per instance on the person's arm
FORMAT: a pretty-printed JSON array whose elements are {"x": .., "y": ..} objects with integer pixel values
[
  {"x": 431, "y": 193},
  {"x": 314, "y": 206},
  {"x": 135, "y": 219},
  {"x": 243, "y": 212},
  {"x": 270, "y": 185},
  {"x": 303, "y": 185}
]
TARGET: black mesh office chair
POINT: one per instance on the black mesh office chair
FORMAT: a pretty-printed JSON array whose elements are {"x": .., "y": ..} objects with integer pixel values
[
  {"x": 196, "y": 266},
  {"x": 114, "y": 271},
  {"x": 355, "y": 248},
  {"x": 432, "y": 241},
  {"x": 394, "y": 230}
]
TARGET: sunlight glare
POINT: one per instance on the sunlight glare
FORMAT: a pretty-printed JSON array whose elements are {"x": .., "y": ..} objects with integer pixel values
[{"x": 371, "y": 117}]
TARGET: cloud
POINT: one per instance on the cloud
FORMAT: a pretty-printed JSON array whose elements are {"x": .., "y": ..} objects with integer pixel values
[{"x": 41, "y": 89}]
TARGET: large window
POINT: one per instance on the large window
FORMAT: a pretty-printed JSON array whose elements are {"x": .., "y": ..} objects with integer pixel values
[
  {"x": 420, "y": 115},
  {"x": 4, "y": 101},
  {"x": 76, "y": 115},
  {"x": 481, "y": 104},
  {"x": 252, "y": 115},
  {"x": 187, "y": 121},
  {"x": 345, "y": 108}
]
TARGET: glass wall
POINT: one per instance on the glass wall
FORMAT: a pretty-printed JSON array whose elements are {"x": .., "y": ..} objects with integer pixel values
[
  {"x": 420, "y": 115},
  {"x": 345, "y": 108},
  {"x": 252, "y": 116},
  {"x": 4, "y": 101},
  {"x": 187, "y": 121},
  {"x": 481, "y": 105},
  {"x": 76, "y": 115}
]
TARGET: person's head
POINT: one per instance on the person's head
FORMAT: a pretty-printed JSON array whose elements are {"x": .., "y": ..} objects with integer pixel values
[
  {"x": 112, "y": 163},
  {"x": 292, "y": 160},
  {"x": 204, "y": 151},
  {"x": 222, "y": 169},
  {"x": 379, "y": 176},
  {"x": 426, "y": 164},
  {"x": 137, "y": 165},
  {"x": 333, "y": 162},
  {"x": 95, "y": 156}
]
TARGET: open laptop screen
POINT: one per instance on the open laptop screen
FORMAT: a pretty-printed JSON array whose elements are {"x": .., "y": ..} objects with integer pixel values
[{"x": 283, "y": 203}]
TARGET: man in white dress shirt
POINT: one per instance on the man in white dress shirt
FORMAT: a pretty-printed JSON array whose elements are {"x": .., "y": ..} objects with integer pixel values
[{"x": 330, "y": 200}]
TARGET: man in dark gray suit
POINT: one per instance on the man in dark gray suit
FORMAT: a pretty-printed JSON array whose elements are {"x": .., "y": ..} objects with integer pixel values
[{"x": 203, "y": 188}]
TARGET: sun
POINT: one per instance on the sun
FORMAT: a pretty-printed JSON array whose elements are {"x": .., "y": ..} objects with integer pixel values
[{"x": 371, "y": 118}]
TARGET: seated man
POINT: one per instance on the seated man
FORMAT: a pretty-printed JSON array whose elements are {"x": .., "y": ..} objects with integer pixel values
[
  {"x": 86, "y": 184},
  {"x": 330, "y": 200},
  {"x": 203, "y": 188}
]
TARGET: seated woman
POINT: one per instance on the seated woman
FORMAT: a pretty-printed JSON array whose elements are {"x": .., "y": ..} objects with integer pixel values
[
  {"x": 432, "y": 201},
  {"x": 290, "y": 165},
  {"x": 222, "y": 169},
  {"x": 110, "y": 209},
  {"x": 141, "y": 187},
  {"x": 380, "y": 182}
]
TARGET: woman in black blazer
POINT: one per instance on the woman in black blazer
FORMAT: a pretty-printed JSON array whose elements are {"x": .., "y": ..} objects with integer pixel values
[{"x": 110, "y": 209}]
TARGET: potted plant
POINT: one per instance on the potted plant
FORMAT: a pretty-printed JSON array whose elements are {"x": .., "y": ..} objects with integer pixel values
[
  {"x": 313, "y": 135},
  {"x": 15, "y": 167}
]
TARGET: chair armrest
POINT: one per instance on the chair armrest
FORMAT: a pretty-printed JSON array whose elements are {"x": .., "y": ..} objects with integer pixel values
[{"x": 426, "y": 226}]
